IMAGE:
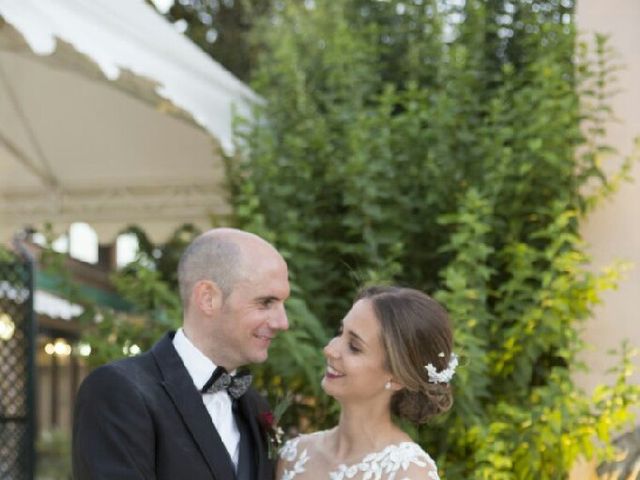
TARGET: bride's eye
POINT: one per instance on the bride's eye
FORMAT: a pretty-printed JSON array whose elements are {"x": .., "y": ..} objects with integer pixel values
[
  {"x": 353, "y": 348},
  {"x": 338, "y": 331}
]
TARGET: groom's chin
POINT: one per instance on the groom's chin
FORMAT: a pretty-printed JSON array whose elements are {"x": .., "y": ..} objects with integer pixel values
[
  {"x": 260, "y": 350},
  {"x": 260, "y": 356}
]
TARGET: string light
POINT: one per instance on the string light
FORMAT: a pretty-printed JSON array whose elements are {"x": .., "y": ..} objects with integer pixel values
[
  {"x": 131, "y": 349},
  {"x": 83, "y": 349},
  {"x": 60, "y": 348},
  {"x": 7, "y": 327}
]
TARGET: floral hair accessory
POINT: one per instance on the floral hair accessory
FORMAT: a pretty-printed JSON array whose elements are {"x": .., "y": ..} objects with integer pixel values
[{"x": 443, "y": 376}]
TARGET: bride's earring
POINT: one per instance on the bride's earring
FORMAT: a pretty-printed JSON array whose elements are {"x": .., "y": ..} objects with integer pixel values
[{"x": 387, "y": 386}]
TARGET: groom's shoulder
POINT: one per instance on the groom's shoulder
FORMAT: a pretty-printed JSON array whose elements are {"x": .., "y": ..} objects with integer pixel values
[
  {"x": 131, "y": 365},
  {"x": 119, "y": 371},
  {"x": 123, "y": 371}
]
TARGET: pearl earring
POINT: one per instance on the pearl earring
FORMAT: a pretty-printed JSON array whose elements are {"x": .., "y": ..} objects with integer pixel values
[{"x": 387, "y": 386}]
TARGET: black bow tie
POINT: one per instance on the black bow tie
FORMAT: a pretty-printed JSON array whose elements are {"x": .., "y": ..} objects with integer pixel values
[{"x": 235, "y": 385}]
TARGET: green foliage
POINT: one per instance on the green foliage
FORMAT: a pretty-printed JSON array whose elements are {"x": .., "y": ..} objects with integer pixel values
[
  {"x": 296, "y": 365},
  {"x": 162, "y": 258},
  {"x": 157, "y": 310},
  {"x": 54, "y": 455},
  {"x": 457, "y": 150},
  {"x": 5, "y": 254},
  {"x": 155, "y": 305},
  {"x": 222, "y": 29}
]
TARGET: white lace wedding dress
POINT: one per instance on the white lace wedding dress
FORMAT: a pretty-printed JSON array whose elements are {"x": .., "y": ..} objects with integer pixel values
[{"x": 394, "y": 462}]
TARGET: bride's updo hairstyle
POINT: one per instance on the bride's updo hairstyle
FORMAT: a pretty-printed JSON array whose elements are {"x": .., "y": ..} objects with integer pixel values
[{"x": 415, "y": 331}]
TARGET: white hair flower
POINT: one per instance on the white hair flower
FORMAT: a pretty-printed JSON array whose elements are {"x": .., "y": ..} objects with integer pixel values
[{"x": 443, "y": 376}]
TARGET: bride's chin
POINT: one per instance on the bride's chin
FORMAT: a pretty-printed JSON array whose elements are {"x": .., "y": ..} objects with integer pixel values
[{"x": 325, "y": 384}]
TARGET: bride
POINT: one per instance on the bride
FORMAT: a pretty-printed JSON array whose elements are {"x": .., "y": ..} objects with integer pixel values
[{"x": 392, "y": 357}]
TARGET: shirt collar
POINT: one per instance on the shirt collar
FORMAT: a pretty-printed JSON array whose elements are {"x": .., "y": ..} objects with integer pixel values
[{"x": 199, "y": 366}]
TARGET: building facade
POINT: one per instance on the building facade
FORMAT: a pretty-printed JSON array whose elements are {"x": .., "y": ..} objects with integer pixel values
[{"x": 612, "y": 231}]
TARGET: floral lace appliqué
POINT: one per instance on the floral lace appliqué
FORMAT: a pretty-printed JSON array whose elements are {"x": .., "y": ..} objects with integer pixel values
[
  {"x": 289, "y": 453},
  {"x": 386, "y": 464}
]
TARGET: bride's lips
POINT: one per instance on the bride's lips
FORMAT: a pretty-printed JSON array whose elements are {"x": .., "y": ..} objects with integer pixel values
[{"x": 332, "y": 373}]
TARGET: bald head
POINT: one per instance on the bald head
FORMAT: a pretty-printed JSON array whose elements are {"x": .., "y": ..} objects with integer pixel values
[{"x": 219, "y": 255}]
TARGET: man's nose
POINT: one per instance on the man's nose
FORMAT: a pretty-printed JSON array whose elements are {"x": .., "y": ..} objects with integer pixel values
[{"x": 280, "y": 320}]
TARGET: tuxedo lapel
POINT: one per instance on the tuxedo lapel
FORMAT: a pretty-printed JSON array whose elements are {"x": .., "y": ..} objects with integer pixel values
[
  {"x": 188, "y": 401},
  {"x": 249, "y": 411}
]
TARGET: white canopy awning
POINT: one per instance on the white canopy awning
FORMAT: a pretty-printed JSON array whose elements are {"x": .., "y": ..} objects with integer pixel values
[
  {"x": 44, "y": 303},
  {"x": 53, "y": 306},
  {"x": 111, "y": 117}
]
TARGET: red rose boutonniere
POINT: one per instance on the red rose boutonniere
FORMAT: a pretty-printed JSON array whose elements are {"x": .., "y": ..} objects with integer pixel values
[{"x": 269, "y": 423}]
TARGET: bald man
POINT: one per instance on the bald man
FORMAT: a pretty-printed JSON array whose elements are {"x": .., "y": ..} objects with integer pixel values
[{"x": 182, "y": 410}]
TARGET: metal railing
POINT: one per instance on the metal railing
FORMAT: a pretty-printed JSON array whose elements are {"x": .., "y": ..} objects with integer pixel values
[{"x": 17, "y": 367}]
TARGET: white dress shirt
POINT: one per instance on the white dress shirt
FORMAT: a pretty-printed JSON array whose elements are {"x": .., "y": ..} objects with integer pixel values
[{"x": 218, "y": 404}]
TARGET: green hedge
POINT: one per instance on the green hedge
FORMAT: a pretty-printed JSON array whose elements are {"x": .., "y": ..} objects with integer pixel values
[
  {"x": 455, "y": 150},
  {"x": 452, "y": 149}
]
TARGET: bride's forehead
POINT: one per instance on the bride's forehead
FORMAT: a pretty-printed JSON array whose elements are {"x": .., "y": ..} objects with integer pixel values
[{"x": 362, "y": 319}]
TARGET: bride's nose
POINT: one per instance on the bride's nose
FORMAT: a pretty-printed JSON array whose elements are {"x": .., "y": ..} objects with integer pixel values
[{"x": 330, "y": 349}]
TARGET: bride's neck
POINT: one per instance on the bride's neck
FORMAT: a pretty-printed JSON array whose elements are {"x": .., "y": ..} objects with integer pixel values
[{"x": 363, "y": 430}]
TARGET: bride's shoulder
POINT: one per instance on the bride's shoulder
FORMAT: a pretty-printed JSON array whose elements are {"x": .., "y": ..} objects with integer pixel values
[
  {"x": 410, "y": 461},
  {"x": 300, "y": 445}
]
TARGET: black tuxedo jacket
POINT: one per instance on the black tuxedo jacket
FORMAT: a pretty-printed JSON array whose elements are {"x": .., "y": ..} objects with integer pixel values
[{"x": 143, "y": 418}]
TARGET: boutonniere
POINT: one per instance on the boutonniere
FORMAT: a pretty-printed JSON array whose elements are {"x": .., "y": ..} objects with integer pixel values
[{"x": 269, "y": 421}]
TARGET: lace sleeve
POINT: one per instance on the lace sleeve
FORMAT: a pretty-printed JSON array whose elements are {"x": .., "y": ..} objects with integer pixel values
[
  {"x": 420, "y": 472},
  {"x": 289, "y": 450},
  {"x": 290, "y": 461}
]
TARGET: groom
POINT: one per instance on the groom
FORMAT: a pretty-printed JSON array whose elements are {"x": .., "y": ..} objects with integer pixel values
[{"x": 166, "y": 413}]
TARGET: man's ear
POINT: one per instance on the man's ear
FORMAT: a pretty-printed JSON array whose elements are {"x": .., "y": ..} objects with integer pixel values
[{"x": 207, "y": 296}]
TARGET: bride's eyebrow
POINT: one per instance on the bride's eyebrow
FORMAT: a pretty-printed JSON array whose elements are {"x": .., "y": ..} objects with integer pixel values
[{"x": 356, "y": 336}]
